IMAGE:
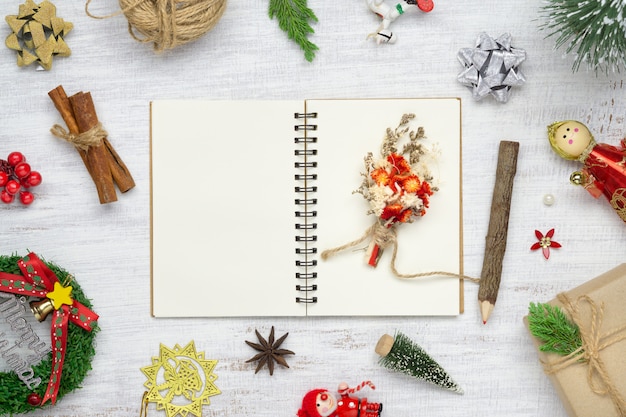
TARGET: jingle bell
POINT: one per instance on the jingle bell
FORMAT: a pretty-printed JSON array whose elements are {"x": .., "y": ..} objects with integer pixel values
[{"x": 41, "y": 308}]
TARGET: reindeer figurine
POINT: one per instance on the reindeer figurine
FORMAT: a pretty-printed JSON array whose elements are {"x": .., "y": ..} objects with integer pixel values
[{"x": 389, "y": 14}]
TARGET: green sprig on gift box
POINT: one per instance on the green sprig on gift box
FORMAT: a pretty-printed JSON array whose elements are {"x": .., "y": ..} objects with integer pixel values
[
  {"x": 551, "y": 325},
  {"x": 294, "y": 17},
  {"x": 595, "y": 31}
]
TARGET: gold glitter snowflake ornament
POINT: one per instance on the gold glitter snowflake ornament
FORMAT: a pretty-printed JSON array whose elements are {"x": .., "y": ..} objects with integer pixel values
[
  {"x": 180, "y": 381},
  {"x": 37, "y": 34}
]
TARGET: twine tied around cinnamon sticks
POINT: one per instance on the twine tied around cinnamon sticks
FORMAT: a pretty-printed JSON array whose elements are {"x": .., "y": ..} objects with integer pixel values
[
  {"x": 82, "y": 141},
  {"x": 387, "y": 236},
  {"x": 167, "y": 23},
  {"x": 593, "y": 342}
]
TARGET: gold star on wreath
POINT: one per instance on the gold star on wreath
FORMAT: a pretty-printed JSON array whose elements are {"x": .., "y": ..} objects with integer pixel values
[
  {"x": 180, "y": 380},
  {"x": 60, "y": 295},
  {"x": 270, "y": 351},
  {"x": 37, "y": 34}
]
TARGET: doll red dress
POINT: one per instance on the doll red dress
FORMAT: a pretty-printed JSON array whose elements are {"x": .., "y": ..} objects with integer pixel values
[{"x": 604, "y": 172}]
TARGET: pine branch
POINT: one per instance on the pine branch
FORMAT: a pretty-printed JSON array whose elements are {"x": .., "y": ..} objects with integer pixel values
[
  {"x": 595, "y": 31},
  {"x": 294, "y": 18},
  {"x": 550, "y": 325}
]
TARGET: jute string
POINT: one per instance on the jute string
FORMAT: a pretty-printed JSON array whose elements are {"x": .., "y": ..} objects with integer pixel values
[
  {"x": 593, "y": 341},
  {"x": 387, "y": 236},
  {"x": 167, "y": 23},
  {"x": 82, "y": 141}
]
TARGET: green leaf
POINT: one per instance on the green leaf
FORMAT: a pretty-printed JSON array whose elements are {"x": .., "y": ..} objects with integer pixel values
[{"x": 294, "y": 18}]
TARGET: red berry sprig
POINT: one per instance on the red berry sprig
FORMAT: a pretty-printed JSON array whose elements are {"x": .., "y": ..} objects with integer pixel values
[{"x": 17, "y": 177}]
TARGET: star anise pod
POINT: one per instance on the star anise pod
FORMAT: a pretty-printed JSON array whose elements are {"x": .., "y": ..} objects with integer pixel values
[{"x": 270, "y": 351}]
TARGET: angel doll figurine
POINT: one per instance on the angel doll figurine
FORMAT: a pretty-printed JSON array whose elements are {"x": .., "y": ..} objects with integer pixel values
[{"x": 604, "y": 170}]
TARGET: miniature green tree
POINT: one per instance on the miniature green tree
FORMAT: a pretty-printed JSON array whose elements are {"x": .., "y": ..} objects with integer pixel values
[{"x": 401, "y": 354}]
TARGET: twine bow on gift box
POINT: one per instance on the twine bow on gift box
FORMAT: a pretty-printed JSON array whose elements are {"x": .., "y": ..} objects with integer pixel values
[
  {"x": 593, "y": 342},
  {"x": 37, "y": 280}
]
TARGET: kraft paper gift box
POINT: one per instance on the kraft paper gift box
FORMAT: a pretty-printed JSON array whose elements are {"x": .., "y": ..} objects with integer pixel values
[{"x": 605, "y": 370}]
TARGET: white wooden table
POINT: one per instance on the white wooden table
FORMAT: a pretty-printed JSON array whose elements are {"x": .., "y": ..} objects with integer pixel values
[{"x": 247, "y": 57}]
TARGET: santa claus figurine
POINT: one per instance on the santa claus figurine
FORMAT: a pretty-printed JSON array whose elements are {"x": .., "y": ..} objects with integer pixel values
[
  {"x": 604, "y": 170},
  {"x": 322, "y": 403}
]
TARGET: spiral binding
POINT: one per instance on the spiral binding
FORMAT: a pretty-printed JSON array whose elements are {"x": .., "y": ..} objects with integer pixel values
[{"x": 305, "y": 202}]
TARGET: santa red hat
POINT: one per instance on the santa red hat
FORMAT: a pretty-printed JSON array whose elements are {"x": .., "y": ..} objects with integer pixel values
[{"x": 309, "y": 404}]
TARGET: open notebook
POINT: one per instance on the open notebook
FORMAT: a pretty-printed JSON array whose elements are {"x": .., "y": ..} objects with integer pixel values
[{"x": 246, "y": 194}]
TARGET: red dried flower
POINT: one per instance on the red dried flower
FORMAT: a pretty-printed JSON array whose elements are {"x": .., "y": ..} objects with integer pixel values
[
  {"x": 426, "y": 190},
  {"x": 381, "y": 176},
  {"x": 404, "y": 216},
  {"x": 411, "y": 184},
  {"x": 391, "y": 211},
  {"x": 401, "y": 166}
]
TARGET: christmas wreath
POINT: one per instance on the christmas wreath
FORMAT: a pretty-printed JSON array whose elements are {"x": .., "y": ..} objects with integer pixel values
[{"x": 73, "y": 321}]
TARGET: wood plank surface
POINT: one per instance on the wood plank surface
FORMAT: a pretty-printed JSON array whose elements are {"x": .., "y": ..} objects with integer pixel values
[{"x": 246, "y": 56}]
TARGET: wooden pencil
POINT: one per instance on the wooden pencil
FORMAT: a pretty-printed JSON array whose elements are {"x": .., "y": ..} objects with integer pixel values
[{"x": 495, "y": 244}]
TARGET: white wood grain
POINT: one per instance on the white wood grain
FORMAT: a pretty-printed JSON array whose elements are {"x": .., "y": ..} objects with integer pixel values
[{"x": 247, "y": 57}]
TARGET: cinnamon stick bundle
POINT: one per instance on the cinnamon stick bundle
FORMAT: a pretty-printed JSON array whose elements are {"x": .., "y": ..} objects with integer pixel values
[{"x": 102, "y": 162}]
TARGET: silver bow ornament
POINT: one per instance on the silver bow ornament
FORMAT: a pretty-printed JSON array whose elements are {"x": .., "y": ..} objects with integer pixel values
[{"x": 492, "y": 67}]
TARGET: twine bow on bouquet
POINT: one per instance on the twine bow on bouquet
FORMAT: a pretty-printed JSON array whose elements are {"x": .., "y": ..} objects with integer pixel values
[{"x": 397, "y": 186}]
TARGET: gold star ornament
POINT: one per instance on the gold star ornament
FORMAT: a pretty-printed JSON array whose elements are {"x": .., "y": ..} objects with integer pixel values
[
  {"x": 60, "y": 295},
  {"x": 37, "y": 34},
  {"x": 180, "y": 381}
]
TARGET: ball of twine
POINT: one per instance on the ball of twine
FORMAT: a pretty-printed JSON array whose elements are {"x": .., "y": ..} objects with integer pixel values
[{"x": 169, "y": 23}]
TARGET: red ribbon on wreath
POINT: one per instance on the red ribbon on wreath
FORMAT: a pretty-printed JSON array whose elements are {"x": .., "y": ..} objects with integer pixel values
[{"x": 37, "y": 280}]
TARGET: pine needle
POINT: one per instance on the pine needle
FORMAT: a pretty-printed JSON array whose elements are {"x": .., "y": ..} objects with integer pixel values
[
  {"x": 594, "y": 31},
  {"x": 294, "y": 17},
  {"x": 550, "y": 325}
]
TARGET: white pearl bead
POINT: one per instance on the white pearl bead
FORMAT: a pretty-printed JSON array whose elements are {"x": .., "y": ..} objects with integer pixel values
[{"x": 548, "y": 199}]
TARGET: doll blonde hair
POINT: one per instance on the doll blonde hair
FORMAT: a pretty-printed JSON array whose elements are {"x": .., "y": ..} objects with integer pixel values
[{"x": 552, "y": 130}]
